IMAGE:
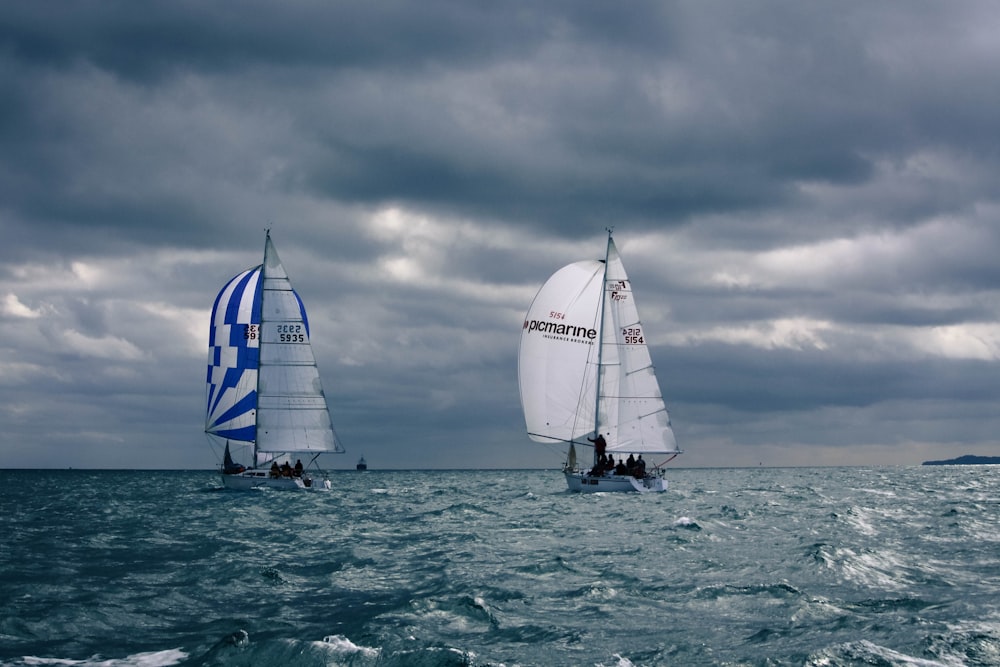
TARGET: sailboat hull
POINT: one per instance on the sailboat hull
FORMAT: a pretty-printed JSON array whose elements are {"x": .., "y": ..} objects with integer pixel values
[
  {"x": 261, "y": 479},
  {"x": 579, "y": 482}
]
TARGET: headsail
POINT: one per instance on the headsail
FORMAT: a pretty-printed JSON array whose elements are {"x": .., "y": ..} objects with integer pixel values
[
  {"x": 571, "y": 458},
  {"x": 230, "y": 467}
]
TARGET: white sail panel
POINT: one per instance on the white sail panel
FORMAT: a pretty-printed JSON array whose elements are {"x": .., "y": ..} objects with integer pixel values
[
  {"x": 557, "y": 358},
  {"x": 233, "y": 349},
  {"x": 292, "y": 414},
  {"x": 632, "y": 415}
]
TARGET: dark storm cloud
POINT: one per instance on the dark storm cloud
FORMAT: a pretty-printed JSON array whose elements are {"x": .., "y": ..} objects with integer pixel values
[
  {"x": 542, "y": 113},
  {"x": 145, "y": 42}
]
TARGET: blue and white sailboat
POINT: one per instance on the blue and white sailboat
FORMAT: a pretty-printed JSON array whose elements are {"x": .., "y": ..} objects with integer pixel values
[{"x": 264, "y": 396}]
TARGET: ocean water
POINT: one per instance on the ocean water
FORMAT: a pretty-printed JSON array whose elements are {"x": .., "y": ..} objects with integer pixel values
[{"x": 769, "y": 566}]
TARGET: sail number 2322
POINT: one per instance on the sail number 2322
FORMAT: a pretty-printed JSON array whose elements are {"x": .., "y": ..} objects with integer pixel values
[
  {"x": 291, "y": 333},
  {"x": 632, "y": 336}
]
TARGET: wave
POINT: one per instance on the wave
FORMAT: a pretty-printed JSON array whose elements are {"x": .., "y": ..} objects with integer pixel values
[{"x": 148, "y": 659}]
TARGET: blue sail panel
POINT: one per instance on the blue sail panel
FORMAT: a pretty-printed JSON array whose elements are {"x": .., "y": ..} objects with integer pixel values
[
  {"x": 234, "y": 358},
  {"x": 302, "y": 311},
  {"x": 236, "y": 415},
  {"x": 244, "y": 434}
]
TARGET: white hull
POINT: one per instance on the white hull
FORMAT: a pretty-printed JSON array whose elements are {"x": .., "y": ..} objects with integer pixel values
[
  {"x": 580, "y": 482},
  {"x": 258, "y": 479}
]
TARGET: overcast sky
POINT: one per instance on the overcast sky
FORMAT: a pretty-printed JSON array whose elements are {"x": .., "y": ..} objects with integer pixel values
[{"x": 805, "y": 196}]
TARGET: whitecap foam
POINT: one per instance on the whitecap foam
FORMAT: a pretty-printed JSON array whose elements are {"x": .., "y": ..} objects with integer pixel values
[
  {"x": 870, "y": 652},
  {"x": 341, "y": 644},
  {"x": 148, "y": 659}
]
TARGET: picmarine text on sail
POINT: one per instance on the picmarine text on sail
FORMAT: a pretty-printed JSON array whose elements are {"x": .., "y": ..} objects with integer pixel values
[{"x": 560, "y": 329}]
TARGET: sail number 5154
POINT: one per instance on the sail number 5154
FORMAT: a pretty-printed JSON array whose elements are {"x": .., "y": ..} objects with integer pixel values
[{"x": 632, "y": 336}]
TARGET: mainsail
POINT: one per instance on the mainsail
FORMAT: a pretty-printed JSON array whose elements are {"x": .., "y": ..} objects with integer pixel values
[
  {"x": 584, "y": 365},
  {"x": 263, "y": 383}
]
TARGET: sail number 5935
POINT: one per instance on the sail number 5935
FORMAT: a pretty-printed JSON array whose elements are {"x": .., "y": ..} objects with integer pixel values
[
  {"x": 291, "y": 333},
  {"x": 632, "y": 336}
]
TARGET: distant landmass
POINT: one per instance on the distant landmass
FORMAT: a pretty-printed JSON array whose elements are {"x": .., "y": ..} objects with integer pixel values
[{"x": 967, "y": 460}]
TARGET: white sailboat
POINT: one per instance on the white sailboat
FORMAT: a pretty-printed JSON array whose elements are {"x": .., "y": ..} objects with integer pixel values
[
  {"x": 264, "y": 393},
  {"x": 586, "y": 378}
]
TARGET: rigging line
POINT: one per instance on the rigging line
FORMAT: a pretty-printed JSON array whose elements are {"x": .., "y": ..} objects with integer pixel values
[{"x": 660, "y": 465}]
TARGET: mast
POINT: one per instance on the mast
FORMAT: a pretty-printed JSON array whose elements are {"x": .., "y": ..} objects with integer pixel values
[
  {"x": 600, "y": 340},
  {"x": 260, "y": 344}
]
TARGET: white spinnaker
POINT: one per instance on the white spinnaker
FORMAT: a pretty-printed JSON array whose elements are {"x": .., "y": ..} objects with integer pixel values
[{"x": 557, "y": 358}]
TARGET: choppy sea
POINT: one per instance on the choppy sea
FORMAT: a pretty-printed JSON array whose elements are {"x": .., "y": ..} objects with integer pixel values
[{"x": 768, "y": 566}]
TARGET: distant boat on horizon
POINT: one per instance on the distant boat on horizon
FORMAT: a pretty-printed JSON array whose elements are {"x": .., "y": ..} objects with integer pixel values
[
  {"x": 264, "y": 394},
  {"x": 584, "y": 369},
  {"x": 362, "y": 464}
]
